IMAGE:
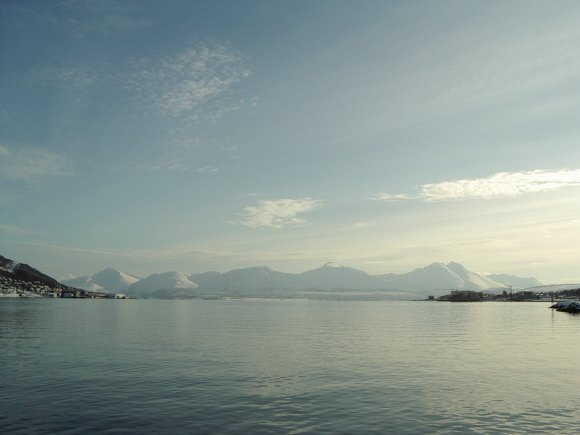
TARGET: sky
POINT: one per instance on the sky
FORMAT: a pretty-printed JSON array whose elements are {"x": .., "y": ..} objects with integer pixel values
[{"x": 203, "y": 135}]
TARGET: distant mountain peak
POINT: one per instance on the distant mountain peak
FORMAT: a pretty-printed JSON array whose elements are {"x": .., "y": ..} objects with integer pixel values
[
  {"x": 333, "y": 265},
  {"x": 436, "y": 268},
  {"x": 164, "y": 285},
  {"x": 107, "y": 279},
  {"x": 456, "y": 266},
  {"x": 114, "y": 273},
  {"x": 435, "y": 278},
  {"x": 108, "y": 272}
]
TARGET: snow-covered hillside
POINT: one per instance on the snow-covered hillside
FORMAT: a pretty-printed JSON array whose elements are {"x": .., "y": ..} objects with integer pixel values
[
  {"x": 108, "y": 279},
  {"x": 439, "y": 278},
  {"x": 435, "y": 279},
  {"x": 163, "y": 285},
  {"x": 473, "y": 280}
]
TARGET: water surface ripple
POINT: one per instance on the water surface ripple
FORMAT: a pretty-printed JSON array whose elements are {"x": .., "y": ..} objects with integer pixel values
[{"x": 272, "y": 366}]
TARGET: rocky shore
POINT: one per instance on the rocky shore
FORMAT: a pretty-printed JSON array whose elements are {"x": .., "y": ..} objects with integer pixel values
[{"x": 567, "y": 306}]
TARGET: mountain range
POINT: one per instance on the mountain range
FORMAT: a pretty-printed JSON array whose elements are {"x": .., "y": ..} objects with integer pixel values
[
  {"x": 439, "y": 277},
  {"x": 326, "y": 281}
]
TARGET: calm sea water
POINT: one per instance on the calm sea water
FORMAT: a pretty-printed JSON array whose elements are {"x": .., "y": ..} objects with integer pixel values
[{"x": 264, "y": 366}]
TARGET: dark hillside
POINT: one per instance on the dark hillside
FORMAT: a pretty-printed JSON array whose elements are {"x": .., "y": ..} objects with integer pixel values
[{"x": 24, "y": 272}]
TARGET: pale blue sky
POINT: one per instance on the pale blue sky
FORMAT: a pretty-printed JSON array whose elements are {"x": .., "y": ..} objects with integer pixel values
[{"x": 210, "y": 135}]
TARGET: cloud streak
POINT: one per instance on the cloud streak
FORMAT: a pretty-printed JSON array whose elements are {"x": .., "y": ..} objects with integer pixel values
[
  {"x": 31, "y": 164},
  {"x": 73, "y": 77},
  {"x": 84, "y": 19},
  {"x": 500, "y": 185},
  {"x": 278, "y": 213}
]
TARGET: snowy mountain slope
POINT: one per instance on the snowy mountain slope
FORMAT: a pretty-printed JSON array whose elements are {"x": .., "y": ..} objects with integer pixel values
[
  {"x": 434, "y": 276},
  {"x": 162, "y": 281},
  {"x": 108, "y": 279},
  {"x": 326, "y": 282},
  {"x": 84, "y": 282},
  {"x": 473, "y": 280},
  {"x": 439, "y": 278},
  {"x": 435, "y": 279},
  {"x": 7, "y": 265}
]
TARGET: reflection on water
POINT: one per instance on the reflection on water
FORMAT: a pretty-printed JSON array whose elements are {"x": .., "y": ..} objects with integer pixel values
[{"x": 252, "y": 366}]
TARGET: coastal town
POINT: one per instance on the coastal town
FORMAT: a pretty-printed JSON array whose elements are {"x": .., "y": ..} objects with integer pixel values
[
  {"x": 11, "y": 287},
  {"x": 23, "y": 281},
  {"x": 565, "y": 300}
]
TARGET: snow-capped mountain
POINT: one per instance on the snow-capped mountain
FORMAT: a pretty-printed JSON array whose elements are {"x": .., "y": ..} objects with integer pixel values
[
  {"x": 85, "y": 282},
  {"x": 108, "y": 279},
  {"x": 473, "y": 280},
  {"x": 168, "y": 284},
  {"x": 435, "y": 279},
  {"x": 327, "y": 281},
  {"x": 439, "y": 278}
]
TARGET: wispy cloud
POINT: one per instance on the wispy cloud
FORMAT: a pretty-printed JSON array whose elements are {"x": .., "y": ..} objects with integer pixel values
[
  {"x": 162, "y": 253},
  {"x": 86, "y": 18},
  {"x": 193, "y": 84},
  {"x": 391, "y": 197},
  {"x": 278, "y": 213},
  {"x": 31, "y": 164},
  {"x": 16, "y": 230},
  {"x": 179, "y": 86},
  {"x": 500, "y": 185},
  {"x": 170, "y": 164},
  {"x": 208, "y": 169},
  {"x": 180, "y": 91},
  {"x": 72, "y": 77}
]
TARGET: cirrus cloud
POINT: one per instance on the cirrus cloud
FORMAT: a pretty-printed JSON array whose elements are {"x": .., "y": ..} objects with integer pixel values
[
  {"x": 31, "y": 164},
  {"x": 278, "y": 213},
  {"x": 499, "y": 185},
  {"x": 178, "y": 86}
]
